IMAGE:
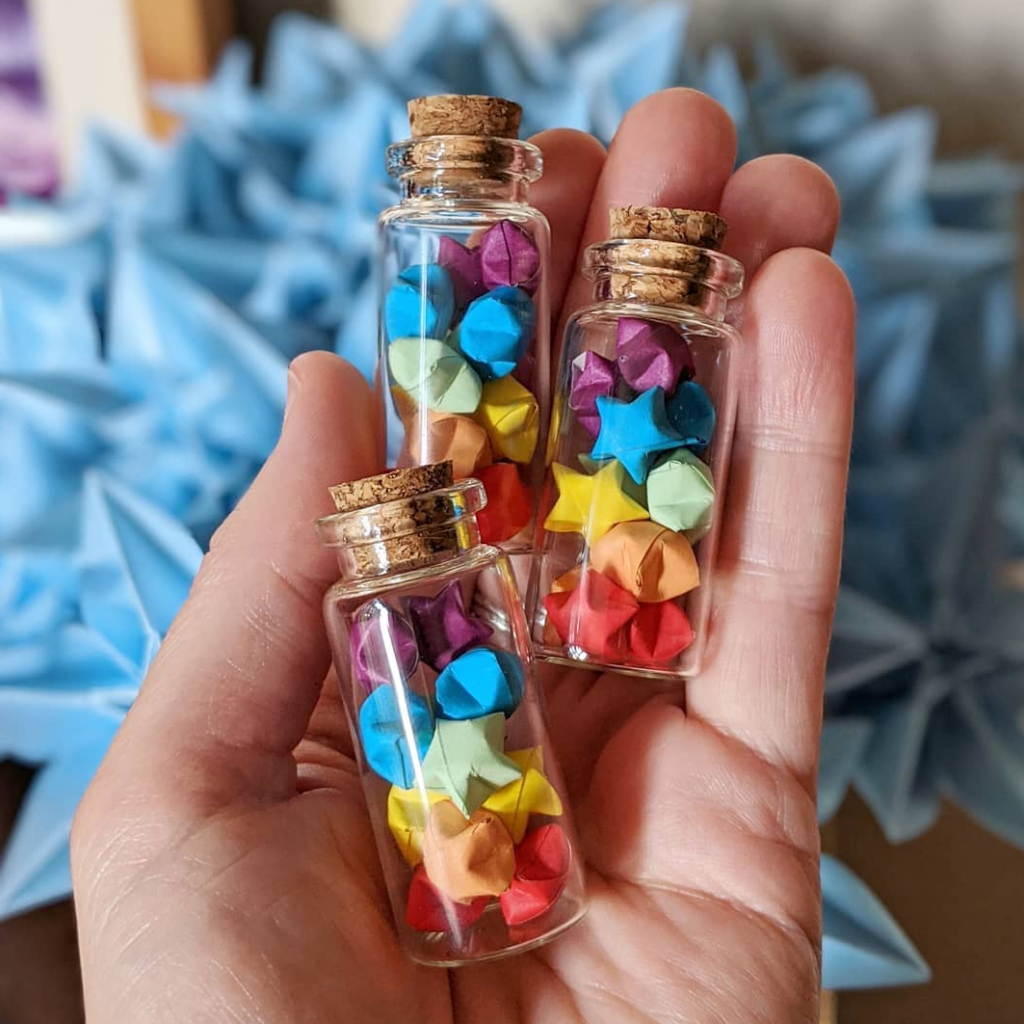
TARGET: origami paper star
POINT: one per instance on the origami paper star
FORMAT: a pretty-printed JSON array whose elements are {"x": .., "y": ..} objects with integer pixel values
[
  {"x": 650, "y": 354},
  {"x": 509, "y": 504},
  {"x": 593, "y": 377},
  {"x": 511, "y": 417},
  {"x": 495, "y": 331},
  {"x": 541, "y": 868},
  {"x": 634, "y": 432},
  {"x": 591, "y": 505},
  {"x": 480, "y": 682},
  {"x": 659, "y": 632},
  {"x": 445, "y": 437},
  {"x": 692, "y": 415},
  {"x": 650, "y": 561},
  {"x": 444, "y": 628},
  {"x": 463, "y": 266},
  {"x": 408, "y": 811},
  {"x": 681, "y": 494},
  {"x": 420, "y": 303},
  {"x": 530, "y": 794},
  {"x": 429, "y": 910},
  {"x": 467, "y": 857},
  {"x": 588, "y": 618},
  {"x": 508, "y": 256},
  {"x": 466, "y": 762},
  {"x": 382, "y": 645},
  {"x": 429, "y": 371},
  {"x": 396, "y": 729}
]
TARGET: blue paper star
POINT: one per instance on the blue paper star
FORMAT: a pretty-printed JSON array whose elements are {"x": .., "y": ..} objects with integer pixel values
[{"x": 634, "y": 432}]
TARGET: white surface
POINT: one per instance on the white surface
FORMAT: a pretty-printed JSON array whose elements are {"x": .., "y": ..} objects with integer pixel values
[{"x": 90, "y": 67}]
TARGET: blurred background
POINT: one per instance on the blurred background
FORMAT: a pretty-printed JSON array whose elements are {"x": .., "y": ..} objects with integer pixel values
[{"x": 141, "y": 384}]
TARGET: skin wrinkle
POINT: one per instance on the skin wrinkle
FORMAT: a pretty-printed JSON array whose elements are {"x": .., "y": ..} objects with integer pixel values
[{"x": 677, "y": 967}]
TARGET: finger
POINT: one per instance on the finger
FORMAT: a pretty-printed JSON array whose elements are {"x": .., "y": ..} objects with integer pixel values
[
  {"x": 674, "y": 148},
  {"x": 572, "y": 165},
  {"x": 778, "y": 564},
  {"x": 778, "y": 202},
  {"x": 237, "y": 678}
]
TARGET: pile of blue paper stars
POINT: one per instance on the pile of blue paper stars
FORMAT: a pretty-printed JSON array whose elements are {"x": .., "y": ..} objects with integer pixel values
[{"x": 147, "y": 321}]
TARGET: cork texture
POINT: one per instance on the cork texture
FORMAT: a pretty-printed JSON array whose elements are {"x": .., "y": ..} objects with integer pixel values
[
  {"x": 412, "y": 522},
  {"x": 684, "y": 286},
  {"x": 464, "y": 115},
  {"x": 399, "y": 483},
  {"x": 668, "y": 224}
]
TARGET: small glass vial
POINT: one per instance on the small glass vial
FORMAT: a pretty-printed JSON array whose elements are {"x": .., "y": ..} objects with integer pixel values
[
  {"x": 468, "y": 807},
  {"x": 639, "y": 450},
  {"x": 464, "y": 319}
]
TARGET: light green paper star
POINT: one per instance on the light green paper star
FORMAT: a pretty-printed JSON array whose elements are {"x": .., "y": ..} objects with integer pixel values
[
  {"x": 465, "y": 760},
  {"x": 681, "y": 494}
]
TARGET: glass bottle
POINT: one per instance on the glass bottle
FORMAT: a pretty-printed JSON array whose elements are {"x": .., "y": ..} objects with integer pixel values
[
  {"x": 468, "y": 807},
  {"x": 639, "y": 450},
  {"x": 464, "y": 319}
]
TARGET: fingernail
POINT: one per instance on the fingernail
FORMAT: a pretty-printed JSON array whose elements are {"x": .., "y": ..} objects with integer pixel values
[{"x": 293, "y": 390}]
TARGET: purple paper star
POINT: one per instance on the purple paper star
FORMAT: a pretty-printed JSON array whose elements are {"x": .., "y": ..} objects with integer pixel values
[
  {"x": 382, "y": 645},
  {"x": 444, "y": 628},
  {"x": 593, "y": 377},
  {"x": 508, "y": 257},
  {"x": 652, "y": 354},
  {"x": 463, "y": 266}
]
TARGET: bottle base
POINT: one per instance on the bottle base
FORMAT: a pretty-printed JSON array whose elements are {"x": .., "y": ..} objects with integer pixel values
[
  {"x": 531, "y": 935},
  {"x": 666, "y": 675}
]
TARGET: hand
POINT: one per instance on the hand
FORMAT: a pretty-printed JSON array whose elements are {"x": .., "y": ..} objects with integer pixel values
[{"x": 223, "y": 861}]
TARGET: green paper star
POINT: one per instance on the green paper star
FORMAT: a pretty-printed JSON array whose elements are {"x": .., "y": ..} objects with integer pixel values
[{"x": 465, "y": 760}]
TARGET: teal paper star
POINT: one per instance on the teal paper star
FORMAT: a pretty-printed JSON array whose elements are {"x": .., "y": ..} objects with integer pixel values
[
  {"x": 634, "y": 432},
  {"x": 465, "y": 760}
]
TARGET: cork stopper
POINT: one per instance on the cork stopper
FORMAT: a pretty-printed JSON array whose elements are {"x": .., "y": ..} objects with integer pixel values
[
  {"x": 411, "y": 523},
  {"x": 667, "y": 224},
  {"x": 464, "y": 115},
  {"x": 665, "y": 251},
  {"x": 393, "y": 486}
]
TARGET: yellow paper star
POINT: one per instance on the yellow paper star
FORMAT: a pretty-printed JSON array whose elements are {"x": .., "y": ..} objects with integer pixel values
[
  {"x": 554, "y": 428},
  {"x": 591, "y": 505},
  {"x": 407, "y": 819},
  {"x": 530, "y": 794},
  {"x": 510, "y": 415}
]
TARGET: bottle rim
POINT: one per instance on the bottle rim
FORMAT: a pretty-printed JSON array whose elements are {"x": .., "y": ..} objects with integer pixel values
[
  {"x": 487, "y": 156},
  {"x": 421, "y": 514},
  {"x": 654, "y": 258}
]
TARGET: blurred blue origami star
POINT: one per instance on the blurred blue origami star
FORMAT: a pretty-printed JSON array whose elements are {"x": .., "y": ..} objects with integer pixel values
[{"x": 148, "y": 318}]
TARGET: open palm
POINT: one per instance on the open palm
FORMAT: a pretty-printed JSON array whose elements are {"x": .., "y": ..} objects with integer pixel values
[{"x": 223, "y": 859}]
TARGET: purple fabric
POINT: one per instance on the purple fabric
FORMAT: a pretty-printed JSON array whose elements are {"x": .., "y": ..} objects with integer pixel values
[
  {"x": 652, "y": 354},
  {"x": 463, "y": 266},
  {"x": 444, "y": 627},
  {"x": 593, "y": 377},
  {"x": 508, "y": 257},
  {"x": 382, "y": 640}
]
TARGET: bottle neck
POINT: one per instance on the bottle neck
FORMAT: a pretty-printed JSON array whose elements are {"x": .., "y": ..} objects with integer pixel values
[
  {"x": 666, "y": 274},
  {"x": 464, "y": 167},
  {"x": 416, "y": 533},
  {"x": 450, "y": 186}
]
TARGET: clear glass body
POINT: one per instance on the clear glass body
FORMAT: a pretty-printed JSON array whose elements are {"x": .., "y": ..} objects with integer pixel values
[
  {"x": 468, "y": 806},
  {"x": 626, "y": 551},
  {"x": 464, "y": 321}
]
